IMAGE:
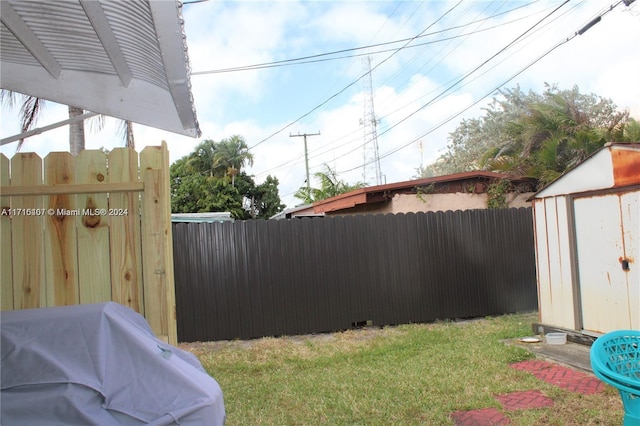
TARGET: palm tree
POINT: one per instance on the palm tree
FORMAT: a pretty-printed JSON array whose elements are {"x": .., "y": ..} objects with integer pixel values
[
  {"x": 330, "y": 186},
  {"x": 202, "y": 158},
  {"x": 31, "y": 108},
  {"x": 231, "y": 155},
  {"x": 631, "y": 132},
  {"x": 550, "y": 138},
  {"x": 76, "y": 131}
]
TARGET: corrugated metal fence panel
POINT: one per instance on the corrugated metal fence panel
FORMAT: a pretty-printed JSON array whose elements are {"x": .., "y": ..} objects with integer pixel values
[{"x": 266, "y": 278}]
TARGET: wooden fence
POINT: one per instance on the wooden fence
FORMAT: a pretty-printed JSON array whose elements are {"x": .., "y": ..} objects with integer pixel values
[
  {"x": 89, "y": 229},
  {"x": 264, "y": 278}
]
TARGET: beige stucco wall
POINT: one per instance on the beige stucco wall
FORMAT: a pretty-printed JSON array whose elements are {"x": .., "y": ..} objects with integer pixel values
[{"x": 406, "y": 203}]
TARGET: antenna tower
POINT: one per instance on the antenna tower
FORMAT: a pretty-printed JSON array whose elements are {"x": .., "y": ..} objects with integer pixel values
[{"x": 370, "y": 123}]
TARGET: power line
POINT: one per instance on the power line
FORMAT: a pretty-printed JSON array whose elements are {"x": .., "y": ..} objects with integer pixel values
[
  {"x": 314, "y": 58},
  {"x": 459, "y": 80},
  {"x": 511, "y": 43},
  {"x": 484, "y": 72},
  {"x": 581, "y": 31},
  {"x": 432, "y": 57},
  {"x": 328, "y": 147},
  {"x": 355, "y": 81},
  {"x": 451, "y": 80}
]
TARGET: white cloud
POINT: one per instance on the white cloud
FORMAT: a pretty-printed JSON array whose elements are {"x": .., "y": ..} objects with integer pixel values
[{"x": 255, "y": 104}]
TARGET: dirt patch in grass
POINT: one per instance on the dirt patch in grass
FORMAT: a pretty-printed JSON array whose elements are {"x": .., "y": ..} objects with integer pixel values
[{"x": 303, "y": 346}]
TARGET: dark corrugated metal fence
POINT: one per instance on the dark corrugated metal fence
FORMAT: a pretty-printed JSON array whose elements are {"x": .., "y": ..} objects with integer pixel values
[{"x": 266, "y": 278}]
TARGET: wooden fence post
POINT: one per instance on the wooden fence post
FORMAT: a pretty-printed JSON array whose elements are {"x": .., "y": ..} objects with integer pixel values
[
  {"x": 124, "y": 232},
  {"x": 6, "y": 278},
  {"x": 157, "y": 243}
]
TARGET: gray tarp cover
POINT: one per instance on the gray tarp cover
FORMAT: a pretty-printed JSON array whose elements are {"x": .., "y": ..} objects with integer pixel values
[{"x": 99, "y": 364}]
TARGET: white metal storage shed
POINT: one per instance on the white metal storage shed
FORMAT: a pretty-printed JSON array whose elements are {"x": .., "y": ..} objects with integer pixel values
[{"x": 587, "y": 230}]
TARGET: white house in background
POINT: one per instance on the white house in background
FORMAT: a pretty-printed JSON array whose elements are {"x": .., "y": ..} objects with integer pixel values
[{"x": 587, "y": 230}]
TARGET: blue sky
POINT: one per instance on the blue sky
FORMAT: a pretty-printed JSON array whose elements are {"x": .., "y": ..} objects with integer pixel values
[{"x": 414, "y": 123}]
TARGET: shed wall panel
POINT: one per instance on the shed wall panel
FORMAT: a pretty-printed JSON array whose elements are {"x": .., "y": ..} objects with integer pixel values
[
  {"x": 555, "y": 282},
  {"x": 607, "y": 229}
]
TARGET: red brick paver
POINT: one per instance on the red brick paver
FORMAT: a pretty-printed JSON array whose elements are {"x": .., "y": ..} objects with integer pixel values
[
  {"x": 482, "y": 417},
  {"x": 563, "y": 377},
  {"x": 524, "y": 400}
]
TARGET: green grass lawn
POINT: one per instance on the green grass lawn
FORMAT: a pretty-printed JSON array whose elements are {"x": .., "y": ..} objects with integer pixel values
[{"x": 404, "y": 375}]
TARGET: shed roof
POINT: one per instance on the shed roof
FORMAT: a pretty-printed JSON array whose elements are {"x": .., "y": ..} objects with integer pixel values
[
  {"x": 126, "y": 59},
  {"x": 615, "y": 165}
]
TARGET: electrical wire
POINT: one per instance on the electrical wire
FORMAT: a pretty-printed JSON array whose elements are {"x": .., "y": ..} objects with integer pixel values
[
  {"x": 313, "y": 58},
  {"x": 441, "y": 53},
  {"x": 581, "y": 31},
  {"x": 511, "y": 43},
  {"x": 354, "y": 82},
  {"x": 486, "y": 71},
  {"x": 328, "y": 147},
  {"x": 456, "y": 83}
]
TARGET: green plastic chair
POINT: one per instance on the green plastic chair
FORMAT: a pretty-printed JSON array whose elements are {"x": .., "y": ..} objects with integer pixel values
[{"x": 615, "y": 359}]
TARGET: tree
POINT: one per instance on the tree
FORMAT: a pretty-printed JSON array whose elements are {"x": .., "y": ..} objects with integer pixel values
[
  {"x": 260, "y": 201},
  {"x": 555, "y": 135},
  {"x": 231, "y": 155},
  {"x": 201, "y": 159},
  {"x": 196, "y": 193},
  {"x": 76, "y": 131},
  {"x": 199, "y": 185},
  {"x": 224, "y": 158},
  {"x": 631, "y": 131},
  {"x": 533, "y": 135},
  {"x": 31, "y": 108},
  {"x": 474, "y": 137},
  {"x": 330, "y": 186}
]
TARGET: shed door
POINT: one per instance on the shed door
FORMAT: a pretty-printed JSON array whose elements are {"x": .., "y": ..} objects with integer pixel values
[{"x": 607, "y": 241}]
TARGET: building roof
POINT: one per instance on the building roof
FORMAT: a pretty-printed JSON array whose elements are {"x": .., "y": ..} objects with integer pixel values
[
  {"x": 615, "y": 165},
  {"x": 208, "y": 217},
  {"x": 379, "y": 193},
  {"x": 125, "y": 59},
  {"x": 305, "y": 210}
]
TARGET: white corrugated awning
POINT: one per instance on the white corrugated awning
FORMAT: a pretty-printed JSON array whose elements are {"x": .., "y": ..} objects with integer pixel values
[{"x": 125, "y": 59}]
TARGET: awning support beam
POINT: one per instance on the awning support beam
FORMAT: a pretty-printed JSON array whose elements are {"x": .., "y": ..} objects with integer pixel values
[
  {"x": 39, "y": 130},
  {"x": 29, "y": 40},
  {"x": 100, "y": 24}
]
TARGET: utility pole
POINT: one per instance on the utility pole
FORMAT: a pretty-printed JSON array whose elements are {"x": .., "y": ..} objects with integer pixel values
[{"x": 306, "y": 155}]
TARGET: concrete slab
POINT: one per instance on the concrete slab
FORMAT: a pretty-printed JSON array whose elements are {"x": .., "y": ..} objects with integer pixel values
[{"x": 570, "y": 354}]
